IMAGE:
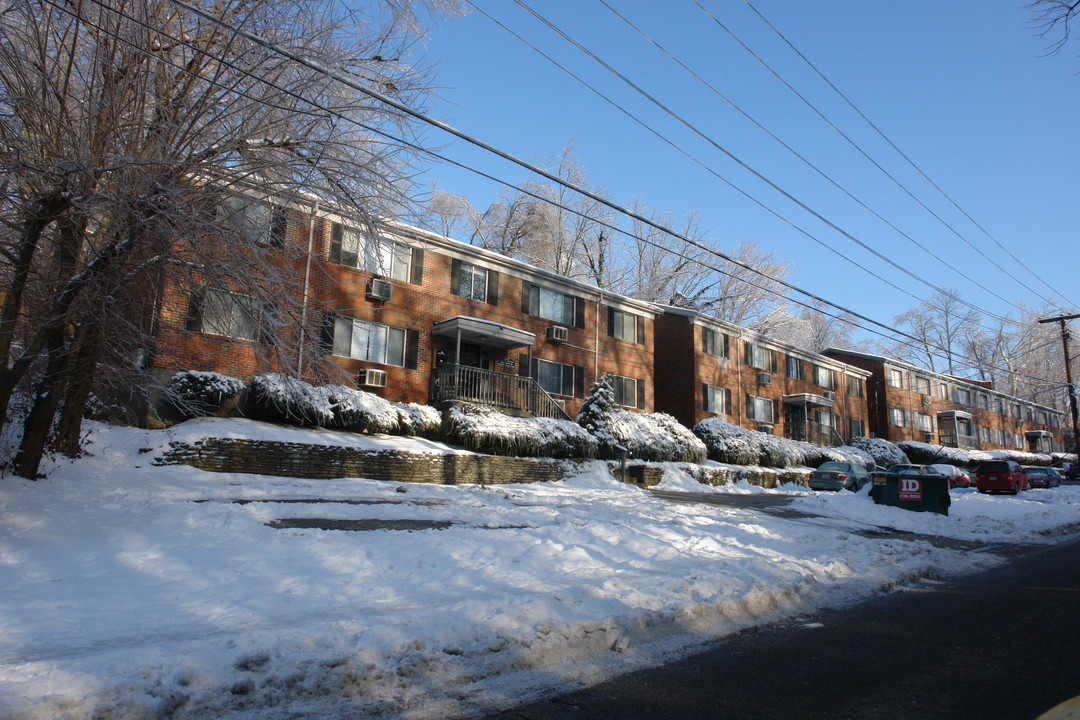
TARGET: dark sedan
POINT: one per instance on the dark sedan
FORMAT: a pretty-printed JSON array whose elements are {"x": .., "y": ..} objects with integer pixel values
[{"x": 839, "y": 476}]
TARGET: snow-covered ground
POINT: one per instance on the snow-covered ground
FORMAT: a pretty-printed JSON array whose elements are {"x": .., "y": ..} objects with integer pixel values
[{"x": 129, "y": 590}]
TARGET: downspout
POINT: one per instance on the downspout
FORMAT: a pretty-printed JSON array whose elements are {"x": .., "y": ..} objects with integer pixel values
[
  {"x": 739, "y": 356},
  {"x": 596, "y": 339},
  {"x": 307, "y": 287}
]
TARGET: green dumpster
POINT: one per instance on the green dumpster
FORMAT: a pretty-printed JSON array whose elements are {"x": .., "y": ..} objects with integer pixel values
[{"x": 921, "y": 493}]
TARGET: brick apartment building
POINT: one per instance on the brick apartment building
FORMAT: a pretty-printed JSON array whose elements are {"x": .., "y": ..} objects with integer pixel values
[
  {"x": 417, "y": 317},
  {"x": 905, "y": 402},
  {"x": 710, "y": 368}
]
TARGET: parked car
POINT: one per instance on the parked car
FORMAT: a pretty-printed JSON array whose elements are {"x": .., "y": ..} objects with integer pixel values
[
  {"x": 1043, "y": 477},
  {"x": 957, "y": 477},
  {"x": 838, "y": 476},
  {"x": 1000, "y": 476},
  {"x": 909, "y": 469}
]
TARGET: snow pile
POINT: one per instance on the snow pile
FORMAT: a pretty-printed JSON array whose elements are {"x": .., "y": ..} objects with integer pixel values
[
  {"x": 281, "y": 398},
  {"x": 135, "y": 591},
  {"x": 884, "y": 453},
  {"x": 489, "y": 431},
  {"x": 195, "y": 393},
  {"x": 655, "y": 436}
]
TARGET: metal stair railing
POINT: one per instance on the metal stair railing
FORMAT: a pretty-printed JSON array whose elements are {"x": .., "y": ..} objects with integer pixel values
[{"x": 494, "y": 389}]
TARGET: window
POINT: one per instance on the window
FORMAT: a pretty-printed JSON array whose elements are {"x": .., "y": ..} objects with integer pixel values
[
  {"x": 823, "y": 418},
  {"x": 474, "y": 282},
  {"x": 229, "y": 314},
  {"x": 370, "y": 341},
  {"x": 1014, "y": 410},
  {"x": 983, "y": 401},
  {"x": 922, "y": 385},
  {"x": 626, "y": 326},
  {"x": 895, "y": 377},
  {"x": 963, "y": 427},
  {"x": 256, "y": 221},
  {"x": 794, "y": 368},
  {"x": 943, "y": 391},
  {"x": 359, "y": 249},
  {"x": 962, "y": 396},
  {"x": 715, "y": 343},
  {"x": 856, "y": 428},
  {"x": 854, "y": 386},
  {"x": 924, "y": 422},
  {"x": 898, "y": 417},
  {"x": 984, "y": 434},
  {"x": 629, "y": 392},
  {"x": 760, "y": 357},
  {"x": 557, "y": 378},
  {"x": 716, "y": 400},
  {"x": 760, "y": 409},
  {"x": 825, "y": 377},
  {"x": 553, "y": 305}
]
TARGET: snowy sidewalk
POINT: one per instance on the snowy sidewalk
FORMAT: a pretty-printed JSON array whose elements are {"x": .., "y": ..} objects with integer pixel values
[{"x": 134, "y": 591}]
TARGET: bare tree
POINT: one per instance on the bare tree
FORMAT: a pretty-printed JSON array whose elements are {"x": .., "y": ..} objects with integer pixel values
[
  {"x": 819, "y": 327},
  {"x": 942, "y": 326},
  {"x": 1052, "y": 18},
  {"x": 133, "y": 125}
]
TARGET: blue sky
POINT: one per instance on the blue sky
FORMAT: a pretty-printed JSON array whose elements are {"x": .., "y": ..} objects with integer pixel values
[{"x": 959, "y": 87}]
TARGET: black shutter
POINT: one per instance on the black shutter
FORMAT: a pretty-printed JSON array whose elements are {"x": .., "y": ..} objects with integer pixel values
[
  {"x": 610, "y": 321},
  {"x": 279, "y": 225},
  {"x": 640, "y": 323},
  {"x": 567, "y": 377},
  {"x": 326, "y": 334},
  {"x": 417, "y": 277},
  {"x": 195, "y": 310},
  {"x": 335, "y": 242},
  {"x": 727, "y": 346},
  {"x": 492, "y": 287},
  {"x": 728, "y": 410},
  {"x": 265, "y": 316},
  {"x": 579, "y": 312},
  {"x": 579, "y": 381},
  {"x": 523, "y": 365},
  {"x": 412, "y": 348},
  {"x": 640, "y": 394},
  {"x": 706, "y": 397},
  {"x": 526, "y": 296},
  {"x": 455, "y": 277}
]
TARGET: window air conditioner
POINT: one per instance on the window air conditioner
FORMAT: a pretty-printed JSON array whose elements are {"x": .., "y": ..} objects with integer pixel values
[
  {"x": 556, "y": 333},
  {"x": 561, "y": 402},
  {"x": 765, "y": 428},
  {"x": 928, "y": 438},
  {"x": 927, "y": 400},
  {"x": 830, "y": 395},
  {"x": 764, "y": 378},
  {"x": 371, "y": 378},
  {"x": 378, "y": 289}
]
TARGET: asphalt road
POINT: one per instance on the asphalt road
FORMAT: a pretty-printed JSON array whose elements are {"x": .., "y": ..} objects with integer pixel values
[{"x": 1003, "y": 644}]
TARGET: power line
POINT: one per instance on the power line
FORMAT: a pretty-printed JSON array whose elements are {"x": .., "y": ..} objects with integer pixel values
[
  {"x": 855, "y": 145},
  {"x": 921, "y": 343},
  {"x": 746, "y": 166}
]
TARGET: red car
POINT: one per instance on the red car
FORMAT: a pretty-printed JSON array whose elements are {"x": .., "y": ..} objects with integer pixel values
[
  {"x": 957, "y": 477},
  {"x": 1000, "y": 476},
  {"x": 1043, "y": 477}
]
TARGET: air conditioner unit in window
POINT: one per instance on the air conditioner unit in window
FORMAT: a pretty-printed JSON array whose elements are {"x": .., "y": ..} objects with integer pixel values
[
  {"x": 830, "y": 395},
  {"x": 764, "y": 378},
  {"x": 556, "y": 333},
  {"x": 371, "y": 378},
  {"x": 561, "y": 402},
  {"x": 765, "y": 428},
  {"x": 928, "y": 437},
  {"x": 927, "y": 400},
  {"x": 378, "y": 289}
]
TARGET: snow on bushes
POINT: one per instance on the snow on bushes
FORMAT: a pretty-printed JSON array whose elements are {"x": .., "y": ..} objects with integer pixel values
[
  {"x": 489, "y": 431},
  {"x": 735, "y": 445},
  {"x": 194, "y": 393},
  {"x": 284, "y": 399},
  {"x": 924, "y": 453},
  {"x": 884, "y": 453},
  {"x": 657, "y": 437}
]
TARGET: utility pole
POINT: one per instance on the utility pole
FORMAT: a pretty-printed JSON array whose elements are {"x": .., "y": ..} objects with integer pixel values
[{"x": 1068, "y": 376}]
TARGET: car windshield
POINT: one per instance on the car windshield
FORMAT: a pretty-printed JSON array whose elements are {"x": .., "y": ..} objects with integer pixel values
[
  {"x": 1036, "y": 471},
  {"x": 908, "y": 469},
  {"x": 835, "y": 466},
  {"x": 993, "y": 467}
]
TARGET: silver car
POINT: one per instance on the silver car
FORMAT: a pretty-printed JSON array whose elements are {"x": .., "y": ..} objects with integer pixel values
[{"x": 839, "y": 476}]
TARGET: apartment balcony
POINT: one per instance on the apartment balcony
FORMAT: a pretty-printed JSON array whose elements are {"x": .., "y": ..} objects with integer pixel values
[
  {"x": 813, "y": 433},
  {"x": 955, "y": 440}
]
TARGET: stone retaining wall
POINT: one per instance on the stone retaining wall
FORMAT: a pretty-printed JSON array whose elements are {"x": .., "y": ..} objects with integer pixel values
[{"x": 320, "y": 462}]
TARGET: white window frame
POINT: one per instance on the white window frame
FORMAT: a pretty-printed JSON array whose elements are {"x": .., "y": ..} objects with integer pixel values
[
  {"x": 715, "y": 400},
  {"x": 369, "y": 341},
  {"x": 757, "y": 406},
  {"x": 625, "y": 388},
  {"x": 625, "y": 325},
  {"x": 472, "y": 277},
  {"x": 898, "y": 417},
  {"x": 377, "y": 255},
  {"x": 229, "y": 314}
]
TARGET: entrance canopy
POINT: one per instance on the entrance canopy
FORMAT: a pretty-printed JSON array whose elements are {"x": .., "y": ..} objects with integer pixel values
[
  {"x": 483, "y": 332},
  {"x": 807, "y": 400}
]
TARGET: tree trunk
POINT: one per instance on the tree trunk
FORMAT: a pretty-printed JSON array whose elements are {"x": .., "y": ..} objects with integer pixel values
[{"x": 69, "y": 427}]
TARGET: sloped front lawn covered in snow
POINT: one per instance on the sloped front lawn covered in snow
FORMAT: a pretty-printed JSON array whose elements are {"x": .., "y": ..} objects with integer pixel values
[{"x": 129, "y": 590}]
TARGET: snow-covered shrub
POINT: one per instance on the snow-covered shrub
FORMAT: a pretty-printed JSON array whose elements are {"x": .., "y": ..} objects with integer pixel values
[
  {"x": 842, "y": 453},
  {"x": 194, "y": 393},
  {"x": 728, "y": 443},
  {"x": 925, "y": 454},
  {"x": 281, "y": 398},
  {"x": 596, "y": 414},
  {"x": 490, "y": 431},
  {"x": 1024, "y": 458},
  {"x": 359, "y": 411},
  {"x": 734, "y": 444},
  {"x": 884, "y": 453},
  {"x": 422, "y": 420},
  {"x": 655, "y": 436}
]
